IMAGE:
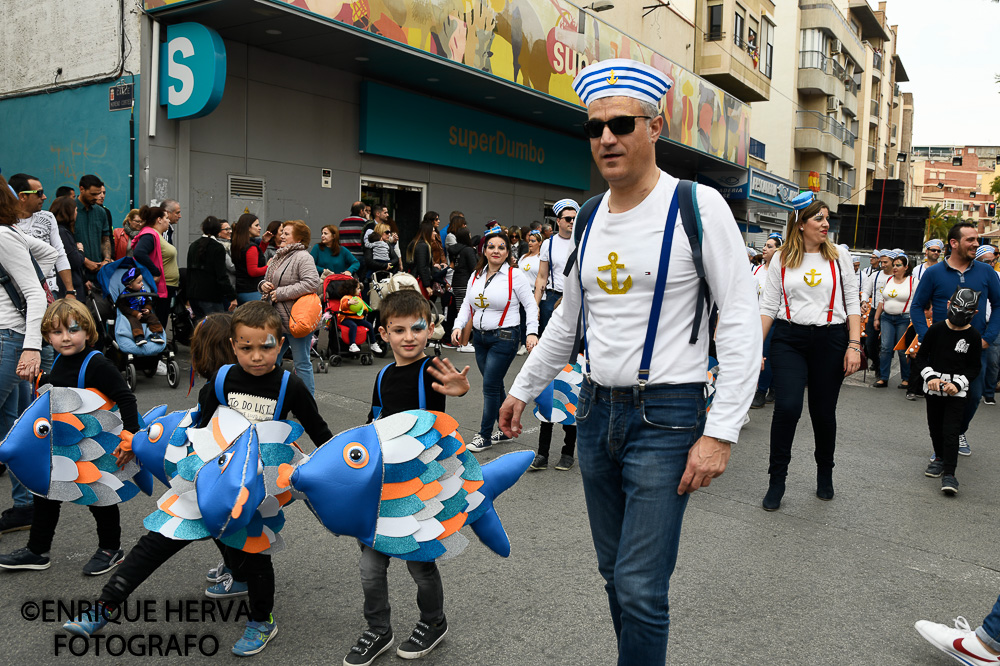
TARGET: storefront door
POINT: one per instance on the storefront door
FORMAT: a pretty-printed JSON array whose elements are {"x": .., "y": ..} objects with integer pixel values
[{"x": 406, "y": 202}]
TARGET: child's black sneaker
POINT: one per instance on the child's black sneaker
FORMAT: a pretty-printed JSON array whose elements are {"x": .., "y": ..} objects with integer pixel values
[
  {"x": 17, "y": 518},
  {"x": 369, "y": 646},
  {"x": 935, "y": 469},
  {"x": 565, "y": 463},
  {"x": 103, "y": 561},
  {"x": 157, "y": 339},
  {"x": 140, "y": 342},
  {"x": 539, "y": 463},
  {"x": 949, "y": 484},
  {"x": 425, "y": 637},
  {"x": 22, "y": 558}
]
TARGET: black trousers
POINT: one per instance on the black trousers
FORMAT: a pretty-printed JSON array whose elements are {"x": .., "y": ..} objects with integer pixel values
[
  {"x": 545, "y": 439},
  {"x": 944, "y": 420},
  {"x": 873, "y": 343},
  {"x": 801, "y": 356},
  {"x": 154, "y": 549},
  {"x": 46, "y": 517}
]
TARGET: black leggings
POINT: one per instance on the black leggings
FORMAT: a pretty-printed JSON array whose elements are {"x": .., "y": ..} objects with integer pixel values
[
  {"x": 802, "y": 355},
  {"x": 46, "y": 517},
  {"x": 545, "y": 439},
  {"x": 154, "y": 549},
  {"x": 944, "y": 420}
]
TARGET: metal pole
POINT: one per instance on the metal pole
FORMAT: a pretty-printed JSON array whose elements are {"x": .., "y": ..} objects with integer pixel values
[
  {"x": 857, "y": 214},
  {"x": 154, "y": 78}
]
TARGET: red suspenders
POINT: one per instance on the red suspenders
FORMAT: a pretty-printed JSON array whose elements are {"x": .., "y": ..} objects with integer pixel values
[
  {"x": 510, "y": 293},
  {"x": 833, "y": 294}
]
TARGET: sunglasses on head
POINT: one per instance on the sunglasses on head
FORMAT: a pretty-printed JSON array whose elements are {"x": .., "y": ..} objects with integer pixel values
[{"x": 618, "y": 126}]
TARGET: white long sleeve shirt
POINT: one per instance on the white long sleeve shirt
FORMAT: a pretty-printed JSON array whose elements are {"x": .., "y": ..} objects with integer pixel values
[
  {"x": 760, "y": 279},
  {"x": 872, "y": 288},
  {"x": 808, "y": 289},
  {"x": 18, "y": 248},
  {"x": 486, "y": 304},
  {"x": 617, "y": 322},
  {"x": 43, "y": 226}
]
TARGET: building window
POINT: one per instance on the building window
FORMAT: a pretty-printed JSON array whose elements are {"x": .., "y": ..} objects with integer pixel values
[
  {"x": 768, "y": 51},
  {"x": 714, "y": 23},
  {"x": 757, "y": 149},
  {"x": 740, "y": 21}
]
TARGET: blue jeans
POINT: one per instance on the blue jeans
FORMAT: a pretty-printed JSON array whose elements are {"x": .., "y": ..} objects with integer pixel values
[
  {"x": 633, "y": 449},
  {"x": 975, "y": 393},
  {"x": 300, "y": 359},
  {"x": 892, "y": 328},
  {"x": 495, "y": 351},
  {"x": 992, "y": 370},
  {"x": 546, "y": 307},
  {"x": 247, "y": 296},
  {"x": 989, "y": 633},
  {"x": 15, "y": 396},
  {"x": 202, "y": 309},
  {"x": 764, "y": 379}
]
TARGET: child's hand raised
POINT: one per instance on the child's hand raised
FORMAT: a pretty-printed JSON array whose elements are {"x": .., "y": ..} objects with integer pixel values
[{"x": 449, "y": 380}]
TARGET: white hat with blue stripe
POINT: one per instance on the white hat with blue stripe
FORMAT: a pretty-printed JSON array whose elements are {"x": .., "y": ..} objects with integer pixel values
[
  {"x": 935, "y": 243},
  {"x": 561, "y": 205},
  {"x": 621, "y": 77},
  {"x": 984, "y": 249},
  {"x": 885, "y": 253}
]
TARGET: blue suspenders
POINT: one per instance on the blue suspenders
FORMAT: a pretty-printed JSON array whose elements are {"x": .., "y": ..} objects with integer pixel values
[
  {"x": 421, "y": 391},
  {"x": 83, "y": 367},
  {"x": 657, "y": 302},
  {"x": 220, "y": 394}
]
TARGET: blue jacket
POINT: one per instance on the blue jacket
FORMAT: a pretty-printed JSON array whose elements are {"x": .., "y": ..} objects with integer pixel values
[{"x": 939, "y": 283}]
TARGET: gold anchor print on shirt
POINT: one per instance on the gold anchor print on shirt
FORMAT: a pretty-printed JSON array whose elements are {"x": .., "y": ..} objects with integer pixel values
[
  {"x": 613, "y": 266},
  {"x": 482, "y": 302},
  {"x": 891, "y": 294},
  {"x": 810, "y": 278},
  {"x": 612, "y": 80}
]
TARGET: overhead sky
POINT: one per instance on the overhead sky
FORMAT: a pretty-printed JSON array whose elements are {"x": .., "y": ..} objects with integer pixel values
[{"x": 950, "y": 52}]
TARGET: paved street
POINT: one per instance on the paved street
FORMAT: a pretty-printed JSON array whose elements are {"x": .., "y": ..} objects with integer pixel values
[{"x": 836, "y": 582}]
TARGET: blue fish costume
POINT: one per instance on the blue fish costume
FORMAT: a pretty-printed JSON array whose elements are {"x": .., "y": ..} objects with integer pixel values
[
  {"x": 405, "y": 485},
  {"x": 557, "y": 402},
  {"x": 62, "y": 448},
  {"x": 222, "y": 479}
]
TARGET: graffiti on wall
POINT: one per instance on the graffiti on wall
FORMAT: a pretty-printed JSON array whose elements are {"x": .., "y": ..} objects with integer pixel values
[{"x": 542, "y": 44}]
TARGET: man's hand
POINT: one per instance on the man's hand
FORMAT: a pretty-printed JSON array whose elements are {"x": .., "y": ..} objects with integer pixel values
[
  {"x": 510, "y": 416},
  {"x": 449, "y": 380},
  {"x": 707, "y": 459},
  {"x": 986, "y": 345},
  {"x": 91, "y": 266},
  {"x": 232, "y": 305}
]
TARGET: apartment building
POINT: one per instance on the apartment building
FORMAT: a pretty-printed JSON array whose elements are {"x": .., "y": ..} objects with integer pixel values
[{"x": 958, "y": 178}]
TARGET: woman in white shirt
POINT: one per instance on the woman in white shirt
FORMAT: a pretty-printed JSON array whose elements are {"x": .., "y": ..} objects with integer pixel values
[
  {"x": 811, "y": 300},
  {"x": 761, "y": 397},
  {"x": 892, "y": 317},
  {"x": 529, "y": 264},
  {"x": 496, "y": 291}
]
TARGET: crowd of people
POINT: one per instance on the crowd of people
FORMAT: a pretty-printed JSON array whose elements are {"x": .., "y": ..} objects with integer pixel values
[{"x": 577, "y": 290}]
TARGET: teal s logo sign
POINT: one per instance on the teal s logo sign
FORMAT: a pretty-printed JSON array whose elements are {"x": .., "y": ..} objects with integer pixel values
[{"x": 192, "y": 70}]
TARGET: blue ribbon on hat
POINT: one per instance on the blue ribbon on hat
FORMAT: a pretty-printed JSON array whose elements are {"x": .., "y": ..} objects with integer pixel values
[
  {"x": 494, "y": 230},
  {"x": 535, "y": 232},
  {"x": 802, "y": 200},
  {"x": 775, "y": 234}
]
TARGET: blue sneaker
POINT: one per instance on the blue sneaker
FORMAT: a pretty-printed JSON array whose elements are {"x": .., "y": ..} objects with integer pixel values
[
  {"x": 226, "y": 587},
  {"x": 215, "y": 574},
  {"x": 963, "y": 446},
  {"x": 88, "y": 624},
  {"x": 255, "y": 637}
]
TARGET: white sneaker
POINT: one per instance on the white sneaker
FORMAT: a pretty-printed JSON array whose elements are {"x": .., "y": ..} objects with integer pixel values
[
  {"x": 469, "y": 349},
  {"x": 376, "y": 348},
  {"x": 522, "y": 351},
  {"x": 354, "y": 349},
  {"x": 161, "y": 368},
  {"x": 478, "y": 443},
  {"x": 959, "y": 642}
]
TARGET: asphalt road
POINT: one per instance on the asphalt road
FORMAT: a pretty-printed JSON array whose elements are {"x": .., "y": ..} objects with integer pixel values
[{"x": 837, "y": 582}]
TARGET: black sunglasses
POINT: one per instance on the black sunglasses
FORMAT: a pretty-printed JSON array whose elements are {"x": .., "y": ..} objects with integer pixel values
[
  {"x": 618, "y": 126},
  {"x": 37, "y": 193},
  {"x": 568, "y": 219}
]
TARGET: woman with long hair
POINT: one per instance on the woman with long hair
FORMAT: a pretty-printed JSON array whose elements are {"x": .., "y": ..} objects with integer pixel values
[
  {"x": 811, "y": 299},
  {"x": 892, "y": 318},
  {"x": 147, "y": 249},
  {"x": 528, "y": 262},
  {"x": 764, "y": 394},
  {"x": 291, "y": 275},
  {"x": 465, "y": 263},
  {"x": 451, "y": 248},
  {"x": 64, "y": 210},
  {"x": 424, "y": 254},
  {"x": 208, "y": 287},
  {"x": 496, "y": 290},
  {"x": 330, "y": 256},
  {"x": 248, "y": 259}
]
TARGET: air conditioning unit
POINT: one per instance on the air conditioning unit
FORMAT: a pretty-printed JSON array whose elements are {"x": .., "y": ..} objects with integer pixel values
[
  {"x": 247, "y": 194},
  {"x": 834, "y": 46},
  {"x": 831, "y": 103}
]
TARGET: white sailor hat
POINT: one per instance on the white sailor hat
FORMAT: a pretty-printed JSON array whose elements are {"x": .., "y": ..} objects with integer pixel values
[
  {"x": 561, "y": 205},
  {"x": 752, "y": 252},
  {"x": 875, "y": 253},
  {"x": 934, "y": 242},
  {"x": 984, "y": 249},
  {"x": 885, "y": 253},
  {"x": 621, "y": 77},
  {"x": 897, "y": 251}
]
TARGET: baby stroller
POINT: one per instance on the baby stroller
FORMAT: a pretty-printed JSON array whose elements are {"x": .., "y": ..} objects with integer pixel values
[
  {"x": 339, "y": 340},
  {"x": 115, "y": 332},
  {"x": 385, "y": 283}
]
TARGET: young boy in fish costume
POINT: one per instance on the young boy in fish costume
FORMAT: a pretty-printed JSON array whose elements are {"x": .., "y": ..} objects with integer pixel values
[
  {"x": 71, "y": 331},
  {"x": 254, "y": 388},
  {"x": 401, "y": 386}
]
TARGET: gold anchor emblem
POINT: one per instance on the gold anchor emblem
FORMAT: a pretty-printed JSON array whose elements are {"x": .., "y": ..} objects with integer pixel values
[
  {"x": 612, "y": 80},
  {"x": 892, "y": 294},
  {"x": 614, "y": 288},
  {"x": 527, "y": 267},
  {"x": 810, "y": 278},
  {"x": 482, "y": 302}
]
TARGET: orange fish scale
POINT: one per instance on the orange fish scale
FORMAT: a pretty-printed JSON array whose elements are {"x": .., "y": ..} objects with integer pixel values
[
  {"x": 69, "y": 419},
  {"x": 165, "y": 507},
  {"x": 403, "y": 489},
  {"x": 87, "y": 472},
  {"x": 452, "y": 525},
  {"x": 284, "y": 498},
  {"x": 571, "y": 409},
  {"x": 257, "y": 544},
  {"x": 429, "y": 491},
  {"x": 444, "y": 424},
  {"x": 472, "y": 486}
]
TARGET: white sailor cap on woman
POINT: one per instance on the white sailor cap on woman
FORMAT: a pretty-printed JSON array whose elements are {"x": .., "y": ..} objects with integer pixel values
[
  {"x": 621, "y": 77},
  {"x": 561, "y": 205}
]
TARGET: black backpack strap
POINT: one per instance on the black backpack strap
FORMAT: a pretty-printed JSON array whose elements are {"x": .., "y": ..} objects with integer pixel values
[{"x": 691, "y": 219}]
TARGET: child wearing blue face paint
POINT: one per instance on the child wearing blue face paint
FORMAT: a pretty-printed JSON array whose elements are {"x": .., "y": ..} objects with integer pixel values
[
  {"x": 412, "y": 382},
  {"x": 71, "y": 331}
]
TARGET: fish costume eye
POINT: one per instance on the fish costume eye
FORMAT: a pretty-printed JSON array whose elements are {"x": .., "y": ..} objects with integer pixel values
[
  {"x": 355, "y": 455},
  {"x": 42, "y": 428},
  {"x": 155, "y": 432},
  {"x": 224, "y": 460}
]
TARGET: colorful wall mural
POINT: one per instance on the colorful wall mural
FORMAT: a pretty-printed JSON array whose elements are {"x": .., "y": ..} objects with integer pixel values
[{"x": 542, "y": 44}]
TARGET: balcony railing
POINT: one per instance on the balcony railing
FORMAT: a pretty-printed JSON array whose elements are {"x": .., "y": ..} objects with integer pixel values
[
  {"x": 873, "y": 154},
  {"x": 875, "y": 108},
  {"x": 895, "y": 90},
  {"x": 827, "y": 183},
  {"x": 757, "y": 149},
  {"x": 851, "y": 86},
  {"x": 827, "y": 65},
  {"x": 825, "y": 124},
  {"x": 877, "y": 62},
  {"x": 715, "y": 36}
]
